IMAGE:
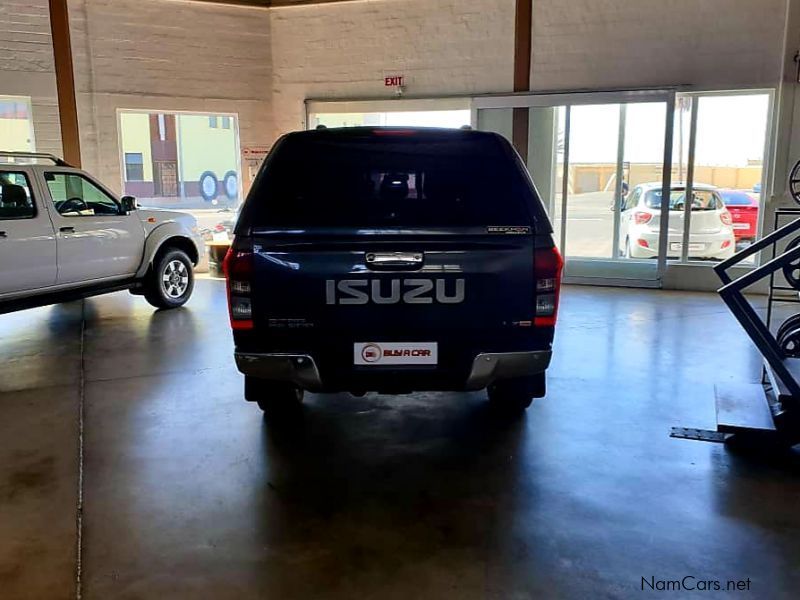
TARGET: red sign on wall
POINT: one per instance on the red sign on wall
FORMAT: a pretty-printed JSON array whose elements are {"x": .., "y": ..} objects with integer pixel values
[{"x": 393, "y": 81}]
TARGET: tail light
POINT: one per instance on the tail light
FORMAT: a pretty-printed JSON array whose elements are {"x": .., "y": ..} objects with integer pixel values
[
  {"x": 643, "y": 243},
  {"x": 548, "y": 265},
  {"x": 725, "y": 244},
  {"x": 725, "y": 217},
  {"x": 640, "y": 218},
  {"x": 238, "y": 268}
]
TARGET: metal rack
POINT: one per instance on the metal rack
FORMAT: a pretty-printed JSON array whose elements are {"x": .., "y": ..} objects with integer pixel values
[
  {"x": 780, "y": 214},
  {"x": 769, "y": 410}
]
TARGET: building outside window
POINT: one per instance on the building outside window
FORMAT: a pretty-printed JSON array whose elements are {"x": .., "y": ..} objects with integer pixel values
[
  {"x": 134, "y": 166},
  {"x": 16, "y": 124},
  {"x": 183, "y": 161}
]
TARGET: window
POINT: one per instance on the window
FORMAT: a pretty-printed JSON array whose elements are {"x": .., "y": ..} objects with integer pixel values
[
  {"x": 701, "y": 199},
  {"x": 162, "y": 128},
  {"x": 415, "y": 181},
  {"x": 729, "y": 157},
  {"x": 16, "y": 124},
  {"x": 13, "y": 109},
  {"x": 76, "y": 196},
  {"x": 16, "y": 201},
  {"x": 176, "y": 173},
  {"x": 134, "y": 166},
  {"x": 633, "y": 199}
]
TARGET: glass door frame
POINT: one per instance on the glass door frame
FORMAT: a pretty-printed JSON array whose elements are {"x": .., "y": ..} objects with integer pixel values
[{"x": 607, "y": 271}]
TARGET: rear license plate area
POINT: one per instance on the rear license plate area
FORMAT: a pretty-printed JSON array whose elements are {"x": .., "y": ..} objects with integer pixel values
[{"x": 395, "y": 353}]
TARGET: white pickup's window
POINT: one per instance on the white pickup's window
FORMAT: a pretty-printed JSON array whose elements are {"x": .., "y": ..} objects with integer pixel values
[
  {"x": 16, "y": 201},
  {"x": 75, "y": 196}
]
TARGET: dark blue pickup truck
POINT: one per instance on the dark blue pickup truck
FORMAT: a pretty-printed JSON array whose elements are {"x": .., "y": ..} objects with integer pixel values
[{"x": 393, "y": 260}]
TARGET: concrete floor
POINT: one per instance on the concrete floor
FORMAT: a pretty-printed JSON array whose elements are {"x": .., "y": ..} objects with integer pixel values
[{"x": 188, "y": 493}]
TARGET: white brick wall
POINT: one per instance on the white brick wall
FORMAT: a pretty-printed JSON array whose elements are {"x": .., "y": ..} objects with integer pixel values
[
  {"x": 262, "y": 64},
  {"x": 591, "y": 44},
  {"x": 165, "y": 55},
  {"x": 443, "y": 47},
  {"x": 26, "y": 65}
]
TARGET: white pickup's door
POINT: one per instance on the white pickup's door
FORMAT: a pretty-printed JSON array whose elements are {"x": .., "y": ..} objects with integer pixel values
[
  {"x": 95, "y": 239},
  {"x": 27, "y": 240}
]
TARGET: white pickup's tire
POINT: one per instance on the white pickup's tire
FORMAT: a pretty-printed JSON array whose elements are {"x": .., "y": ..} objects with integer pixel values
[{"x": 171, "y": 280}]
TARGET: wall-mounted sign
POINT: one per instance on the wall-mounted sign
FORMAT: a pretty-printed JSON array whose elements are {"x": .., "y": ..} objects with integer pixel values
[
  {"x": 252, "y": 157},
  {"x": 393, "y": 81},
  {"x": 255, "y": 152}
]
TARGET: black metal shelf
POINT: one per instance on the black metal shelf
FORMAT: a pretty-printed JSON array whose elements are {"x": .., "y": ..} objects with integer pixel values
[{"x": 771, "y": 299}]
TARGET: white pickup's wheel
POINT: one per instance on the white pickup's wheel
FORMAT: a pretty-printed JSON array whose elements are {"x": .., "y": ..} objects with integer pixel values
[
  {"x": 171, "y": 280},
  {"x": 175, "y": 279}
]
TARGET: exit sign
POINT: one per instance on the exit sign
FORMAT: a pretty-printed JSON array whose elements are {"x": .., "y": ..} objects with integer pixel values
[{"x": 393, "y": 81}]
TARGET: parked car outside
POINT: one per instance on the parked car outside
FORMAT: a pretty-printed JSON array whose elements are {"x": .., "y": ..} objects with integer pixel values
[
  {"x": 393, "y": 260},
  {"x": 711, "y": 233},
  {"x": 64, "y": 235},
  {"x": 743, "y": 207}
]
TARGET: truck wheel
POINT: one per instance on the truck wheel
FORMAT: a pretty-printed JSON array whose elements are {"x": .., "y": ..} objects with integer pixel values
[
  {"x": 273, "y": 397},
  {"x": 515, "y": 395},
  {"x": 170, "y": 281}
]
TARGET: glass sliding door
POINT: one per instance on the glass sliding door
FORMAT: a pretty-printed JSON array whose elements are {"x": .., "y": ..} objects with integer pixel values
[
  {"x": 720, "y": 156},
  {"x": 592, "y": 180},
  {"x": 598, "y": 161}
]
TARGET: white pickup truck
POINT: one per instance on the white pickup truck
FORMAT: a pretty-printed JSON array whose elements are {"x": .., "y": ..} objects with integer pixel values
[{"x": 64, "y": 236}]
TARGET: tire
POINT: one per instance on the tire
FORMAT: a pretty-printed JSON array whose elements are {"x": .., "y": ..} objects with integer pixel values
[
  {"x": 209, "y": 186},
  {"x": 273, "y": 397},
  {"x": 174, "y": 266},
  {"x": 230, "y": 184},
  {"x": 515, "y": 395}
]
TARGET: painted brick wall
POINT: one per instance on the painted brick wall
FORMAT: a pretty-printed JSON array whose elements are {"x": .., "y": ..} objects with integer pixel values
[
  {"x": 26, "y": 65},
  {"x": 445, "y": 47},
  {"x": 163, "y": 54},
  {"x": 591, "y": 44},
  {"x": 166, "y": 55}
]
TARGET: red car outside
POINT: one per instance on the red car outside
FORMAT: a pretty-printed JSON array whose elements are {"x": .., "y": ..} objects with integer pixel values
[{"x": 744, "y": 211}]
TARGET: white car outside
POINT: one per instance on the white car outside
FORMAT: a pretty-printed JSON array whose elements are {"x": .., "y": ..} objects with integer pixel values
[
  {"x": 64, "y": 235},
  {"x": 710, "y": 231}
]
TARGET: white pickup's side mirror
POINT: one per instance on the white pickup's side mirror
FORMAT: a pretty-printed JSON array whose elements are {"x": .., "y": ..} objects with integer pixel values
[{"x": 128, "y": 204}]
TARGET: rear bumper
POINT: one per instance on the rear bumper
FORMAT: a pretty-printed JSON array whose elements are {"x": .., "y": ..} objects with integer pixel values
[
  {"x": 302, "y": 370},
  {"x": 705, "y": 245}
]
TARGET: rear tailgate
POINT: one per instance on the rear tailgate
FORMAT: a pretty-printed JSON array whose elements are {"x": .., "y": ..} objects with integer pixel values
[
  {"x": 464, "y": 283},
  {"x": 472, "y": 292}
]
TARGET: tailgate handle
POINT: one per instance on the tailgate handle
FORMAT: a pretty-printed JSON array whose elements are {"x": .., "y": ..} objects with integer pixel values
[{"x": 394, "y": 260}]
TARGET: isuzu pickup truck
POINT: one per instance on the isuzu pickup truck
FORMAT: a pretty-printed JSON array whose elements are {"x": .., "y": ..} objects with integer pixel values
[{"x": 393, "y": 260}]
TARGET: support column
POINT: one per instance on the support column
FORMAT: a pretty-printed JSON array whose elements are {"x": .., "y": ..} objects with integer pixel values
[
  {"x": 523, "y": 22},
  {"x": 65, "y": 82}
]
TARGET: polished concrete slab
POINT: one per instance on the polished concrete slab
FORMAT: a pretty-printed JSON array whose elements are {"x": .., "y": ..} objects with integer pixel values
[{"x": 189, "y": 493}]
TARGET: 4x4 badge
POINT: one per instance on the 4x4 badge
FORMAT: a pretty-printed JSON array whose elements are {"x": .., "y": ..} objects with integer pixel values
[{"x": 509, "y": 229}]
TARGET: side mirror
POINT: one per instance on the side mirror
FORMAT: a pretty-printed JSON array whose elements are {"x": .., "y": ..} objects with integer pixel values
[{"x": 128, "y": 204}]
